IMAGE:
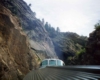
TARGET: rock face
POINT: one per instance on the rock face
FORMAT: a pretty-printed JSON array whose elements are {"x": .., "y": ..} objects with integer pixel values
[
  {"x": 33, "y": 27},
  {"x": 92, "y": 56},
  {"x": 68, "y": 44},
  {"x": 15, "y": 56}
]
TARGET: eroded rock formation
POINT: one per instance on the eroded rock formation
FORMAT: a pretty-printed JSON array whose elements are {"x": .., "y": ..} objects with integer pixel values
[
  {"x": 40, "y": 41},
  {"x": 15, "y": 56}
]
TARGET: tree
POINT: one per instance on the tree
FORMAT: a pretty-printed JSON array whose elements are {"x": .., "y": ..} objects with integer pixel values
[
  {"x": 46, "y": 26},
  {"x": 58, "y": 30},
  {"x": 30, "y": 5},
  {"x": 43, "y": 21},
  {"x": 97, "y": 26},
  {"x": 51, "y": 30}
]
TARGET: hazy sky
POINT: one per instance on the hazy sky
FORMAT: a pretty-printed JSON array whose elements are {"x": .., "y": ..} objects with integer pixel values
[{"x": 78, "y": 16}]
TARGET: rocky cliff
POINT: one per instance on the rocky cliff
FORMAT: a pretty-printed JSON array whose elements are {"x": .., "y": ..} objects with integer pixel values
[
  {"x": 67, "y": 46},
  {"x": 41, "y": 44},
  {"x": 15, "y": 56},
  {"x": 92, "y": 55}
]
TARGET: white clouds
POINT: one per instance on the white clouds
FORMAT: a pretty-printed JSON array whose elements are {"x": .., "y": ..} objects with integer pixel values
[{"x": 70, "y": 15}]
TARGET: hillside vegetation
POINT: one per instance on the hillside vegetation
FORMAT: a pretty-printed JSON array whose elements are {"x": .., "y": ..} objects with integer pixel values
[
  {"x": 68, "y": 45},
  {"x": 92, "y": 54}
]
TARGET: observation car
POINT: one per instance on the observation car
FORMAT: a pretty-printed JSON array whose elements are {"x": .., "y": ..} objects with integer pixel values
[{"x": 51, "y": 62}]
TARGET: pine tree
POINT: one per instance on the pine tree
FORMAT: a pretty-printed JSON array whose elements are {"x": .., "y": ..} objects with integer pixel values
[{"x": 58, "y": 30}]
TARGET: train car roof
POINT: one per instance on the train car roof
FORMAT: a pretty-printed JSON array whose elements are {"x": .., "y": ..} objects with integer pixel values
[{"x": 52, "y": 59}]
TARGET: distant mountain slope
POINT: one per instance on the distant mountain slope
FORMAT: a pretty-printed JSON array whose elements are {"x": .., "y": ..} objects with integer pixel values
[
  {"x": 67, "y": 44},
  {"x": 33, "y": 27}
]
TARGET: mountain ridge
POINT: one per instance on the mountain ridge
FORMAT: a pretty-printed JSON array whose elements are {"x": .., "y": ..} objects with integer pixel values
[{"x": 32, "y": 26}]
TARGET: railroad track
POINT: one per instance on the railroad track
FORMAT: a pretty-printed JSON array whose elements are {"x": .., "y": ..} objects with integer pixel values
[{"x": 64, "y": 73}]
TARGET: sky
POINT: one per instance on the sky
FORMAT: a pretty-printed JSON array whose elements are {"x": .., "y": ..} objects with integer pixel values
[{"x": 77, "y": 16}]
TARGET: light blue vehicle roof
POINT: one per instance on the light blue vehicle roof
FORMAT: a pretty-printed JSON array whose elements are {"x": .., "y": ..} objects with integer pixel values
[{"x": 51, "y": 62}]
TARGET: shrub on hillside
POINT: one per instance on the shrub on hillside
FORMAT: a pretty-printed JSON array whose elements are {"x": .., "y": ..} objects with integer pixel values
[{"x": 97, "y": 26}]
